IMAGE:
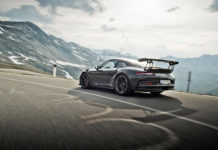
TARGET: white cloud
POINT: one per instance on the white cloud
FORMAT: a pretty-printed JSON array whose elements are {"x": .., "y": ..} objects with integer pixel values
[
  {"x": 145, "y": 28},
  {"x": 7, "y": 5}
]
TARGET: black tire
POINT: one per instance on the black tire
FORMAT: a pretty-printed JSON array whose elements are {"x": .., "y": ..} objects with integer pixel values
[
  {"x": 156, "y": 93},
  {"x": 84, "y": 81},
  {"x": 122, "y": 85}
]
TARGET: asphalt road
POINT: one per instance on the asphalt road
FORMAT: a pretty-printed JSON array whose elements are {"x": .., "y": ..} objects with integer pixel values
[{"x": 40, "y": 112}]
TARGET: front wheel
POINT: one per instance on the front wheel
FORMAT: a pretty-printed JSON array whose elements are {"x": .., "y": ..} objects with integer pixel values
[
  {"x": 84, "y": 81},
  {"x": 122, "y": 85}
]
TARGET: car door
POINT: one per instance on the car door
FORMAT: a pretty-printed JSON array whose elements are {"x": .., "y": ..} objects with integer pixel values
[
  {"x": 105, "y": 73},
  {"x": 94, "y": 75}
]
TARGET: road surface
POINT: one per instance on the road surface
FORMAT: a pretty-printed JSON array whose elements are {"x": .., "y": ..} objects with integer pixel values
[{"x": 41, "y": 112}]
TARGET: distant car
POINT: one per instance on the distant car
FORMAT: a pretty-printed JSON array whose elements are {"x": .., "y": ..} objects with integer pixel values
[{"x": 126, "y": 75}]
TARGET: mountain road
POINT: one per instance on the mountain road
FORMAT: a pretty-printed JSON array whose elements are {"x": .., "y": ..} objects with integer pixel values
[{"x": 41, "y": 112}]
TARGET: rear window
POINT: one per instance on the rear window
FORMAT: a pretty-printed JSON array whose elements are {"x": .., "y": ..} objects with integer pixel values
[
  {"x": 121, "y": 65},
  {"x": 156, "y": 64}
]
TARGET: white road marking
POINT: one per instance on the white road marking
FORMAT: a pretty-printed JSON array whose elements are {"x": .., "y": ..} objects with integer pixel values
[
  {"x": 197, "y": 94},
  {"x": 172, "y": 111},
  {"x": 68, "y": 98},
  {"x": 72, "y": 99},
  {"x": 64, "y": 102},
  {"x": 107, "y": 111},
  {"x": 118, "y": 100},
  {"x": 170, "y": 141},
  {"x": 14, "y": 91}
]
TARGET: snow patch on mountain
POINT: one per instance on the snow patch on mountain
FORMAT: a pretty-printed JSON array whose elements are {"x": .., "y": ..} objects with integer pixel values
[
  {"x": 26, "y": 57},
  {"x": 56, "y": 42},
  {"x": 11, "y": 38},
  {"x": 7, "y": 26},
  {"x": 2, "y": 29},
  {"x": 67, "y": 75},
  {"x": 84, "y": 54},
  {"x": 76, "y": 52},
  {"x": 9, "y": 52},
  {"x": 32, "y": 30},
  {"x": 14, "y": 60},
  {"x": 69, "y": 64},
  {"x": 81, "y": 58},
  {"x": 52, "y": 62},
  {"x": 39, "y": 52}
]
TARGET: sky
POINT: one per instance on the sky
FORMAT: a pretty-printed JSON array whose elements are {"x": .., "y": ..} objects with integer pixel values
[{"x": 145, "y": 28}]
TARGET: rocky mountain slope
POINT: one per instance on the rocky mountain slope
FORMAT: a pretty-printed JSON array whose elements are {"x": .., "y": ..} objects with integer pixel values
[{"x": 24, "y": 43}]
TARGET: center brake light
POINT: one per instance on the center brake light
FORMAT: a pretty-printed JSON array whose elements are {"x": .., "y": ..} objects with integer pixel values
[{"x": 145, "y": 73}]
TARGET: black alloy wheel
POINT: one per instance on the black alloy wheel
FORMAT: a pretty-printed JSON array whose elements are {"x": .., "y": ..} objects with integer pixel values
[
  {"x": 121, "y": 85},
  {"x": 84, "y": 81}
]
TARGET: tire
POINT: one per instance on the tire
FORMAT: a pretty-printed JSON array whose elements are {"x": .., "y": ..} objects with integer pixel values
[
  {"x": 122, "y": 85},
  {"x": 84, "y": 81},
  {"x": 156, "y": 93}
]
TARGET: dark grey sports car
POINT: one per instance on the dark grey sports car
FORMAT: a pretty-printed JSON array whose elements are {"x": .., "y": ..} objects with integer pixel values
[{"x": 126, "y": 75}]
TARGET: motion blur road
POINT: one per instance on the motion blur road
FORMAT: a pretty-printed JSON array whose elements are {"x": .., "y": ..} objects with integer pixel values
[{"x": 41, "y": 112}]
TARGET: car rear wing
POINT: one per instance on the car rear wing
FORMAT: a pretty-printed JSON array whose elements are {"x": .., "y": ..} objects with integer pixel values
[{"x": 149, "y": 64}]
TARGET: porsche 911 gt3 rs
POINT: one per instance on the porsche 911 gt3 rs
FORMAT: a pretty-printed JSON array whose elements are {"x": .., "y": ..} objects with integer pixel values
[{"x": 126, "y": 75}]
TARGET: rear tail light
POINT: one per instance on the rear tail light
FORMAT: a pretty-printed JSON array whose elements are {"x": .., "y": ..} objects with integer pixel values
[
  {"x": 148, "y": 83},
  {"x": 145, "y": 73}
]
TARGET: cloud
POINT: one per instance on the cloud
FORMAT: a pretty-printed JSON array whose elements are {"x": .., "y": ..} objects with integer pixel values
[
  {"x": 111, "y": 19},
  {"x": 7, "y": 5},
  {"x": 172, "y": 9},
  {"x": 214, "y": 5},
  {"x": 89, "y": 6},
  {"x": 26, "y": 13},
  {"x": 106, "y": 28}
]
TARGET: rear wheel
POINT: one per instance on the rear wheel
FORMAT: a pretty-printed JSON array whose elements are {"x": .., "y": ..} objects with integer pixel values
[
  {"x": 84, "y": 81},
  {"x": 122, "y": 85}
]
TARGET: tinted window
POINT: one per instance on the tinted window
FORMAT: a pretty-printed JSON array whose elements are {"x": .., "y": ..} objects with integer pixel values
[
  {"x": 121, "y": 64},
  {"x": 108, "y": 65}
]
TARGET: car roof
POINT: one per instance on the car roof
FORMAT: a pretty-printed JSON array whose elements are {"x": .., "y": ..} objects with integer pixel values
[
  {"x": 131, "y": 62},
  {"x": 125, "y": 59}
]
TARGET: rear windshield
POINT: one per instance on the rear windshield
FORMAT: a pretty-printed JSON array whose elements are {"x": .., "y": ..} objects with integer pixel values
[{"x": 156, "y": 64}]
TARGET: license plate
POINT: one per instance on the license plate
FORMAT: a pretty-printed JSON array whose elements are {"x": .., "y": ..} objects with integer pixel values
[{"x": 164, "y": 81}]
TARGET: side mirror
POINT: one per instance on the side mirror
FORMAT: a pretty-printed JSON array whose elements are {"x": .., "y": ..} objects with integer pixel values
[{"x": 97, "y": 67}]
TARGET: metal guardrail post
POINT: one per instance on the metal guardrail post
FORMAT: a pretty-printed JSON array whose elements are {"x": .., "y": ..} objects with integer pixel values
[
  {"x": 189, "y": 81},
  {"x": 54, "y": 70}
]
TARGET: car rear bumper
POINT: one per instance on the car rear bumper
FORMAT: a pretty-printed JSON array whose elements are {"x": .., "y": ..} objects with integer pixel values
[
  {"x": 150, "y": 88},
  {"x": 154, "y": 84}
]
